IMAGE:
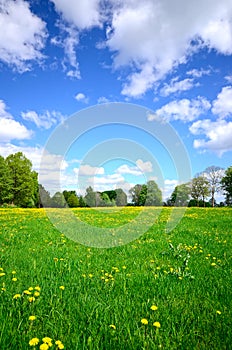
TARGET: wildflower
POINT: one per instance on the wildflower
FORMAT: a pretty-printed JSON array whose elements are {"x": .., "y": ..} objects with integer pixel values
[
  {"x": 113, "y": 326},
  {"x": 44, "y": 346},
  {"x": 31, "y": 299},
  {"x": 13, "y": 272},
  {"x": 213, "y": 264},
  {"x": 27, "y": 292},
  {"x": 37, "y": 288},
  {"x": 218, "y": 312},
  {"x": 2, "y": 274},
  {"x": 30, "y": 289},
  {"x": 16, "y": 296},
  {"x": 14, "y": 279},
  {"x": 62, "y": 287},
  {"x": 154, "y": 307},
  {"x": 32, "y": 318},
  {"x": 55, "y": 259},
  {"x": 124, "y": 267},
  {"x": 59, "y": 344},
  {"x": 144, "y": 321},
  {"x": 47, "y": 341},
  {"x": 34, "y": 341},
  {"x": 36, "y": 294},
  {"x": 156, "y": 324},
  {"x": 90, "y": 275}
]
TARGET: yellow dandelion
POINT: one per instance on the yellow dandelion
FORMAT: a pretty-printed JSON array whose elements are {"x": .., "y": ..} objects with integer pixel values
[
  {"x": 154, "y": 307},
  {"x": 2, "y": 274},
  {"x": 144, "y": 321},
  {"x": 113, "y": 326},
  {"x": 44, "y": 346},
  {"x": 47, "y": 341},
  {"x": 55, "y": 259},
  {"x": 218, "y": 312},
  {"x": 27, "y": 292},
  {"x": 124, "y": 267},
  {"x": 16, "y": 296},
  {"x": 32, "y": 318},
  {"x": 62, "y": 287},
  {"x": 34, "y": 341},
  {"x": 36, "y": 294},
  {"x": 14, "y": 279},
  {"x": 90, "y": 275},
  {"x": 37, "y": 288},
  {"x": 59, "y": 344},
  {"x": 13, "y": 272},
  {"x": 31, "y": 299},
  {"x": 213, "y": 264},
  {"x": 156, "y": 324}
]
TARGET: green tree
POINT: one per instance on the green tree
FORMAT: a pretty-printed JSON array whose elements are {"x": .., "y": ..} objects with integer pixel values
[
  {"x": 90, "y": 197},
  {"x": 6, "y": 182},
  {"x": 142, "y": 195},
  {"x": 135, "y": 194},
  {"x": 214, "y": 176},
  {"x": 58, "y": 200},
  {"x": 82, "y": 203},
  {"x": 226, "y": 183},
  {"x": 180, "y": 195},
  {"x": 25, "y": 183},
  {"x": 72, "y": 201},
  {"x": 44, "y": 197},
  {"x": 154, "y": 194},
  {"x": 121, "y": 198},
  {"x": 200, "y": 188}
]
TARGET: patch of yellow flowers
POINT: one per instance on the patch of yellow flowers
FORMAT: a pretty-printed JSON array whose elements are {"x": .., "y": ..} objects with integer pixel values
[{"x": 46, "y": 343}]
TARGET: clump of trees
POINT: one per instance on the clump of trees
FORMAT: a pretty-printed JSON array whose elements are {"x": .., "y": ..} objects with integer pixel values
[{"x": 18, "y": 182}]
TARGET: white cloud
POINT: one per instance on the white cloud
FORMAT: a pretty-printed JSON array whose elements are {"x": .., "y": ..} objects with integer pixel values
[
  {"x": 10, "y": 129},
  {"x": 217, "y": 135},
  {"x": 131, "y": 170},
  {"x": 102, "y": 99},
  {"x": 222, "y": 106},
  {"x": 146, "y": 167},
  {"x": 153, "y": 37},
  {"x": 177, "y": 86},
  {"x": 169, "y": 186},
  {"x": 87, "y": 170},
  {"x": 43, "y": 121},
  {"x": 81, "y": 97},
  {"x": 83, "y": 14},
  {"x": 185, "y": 110},
  {"x": 229, "y": 78},
  {"x": 22, "y": 35},
  {"x": 198, "y": 73}
]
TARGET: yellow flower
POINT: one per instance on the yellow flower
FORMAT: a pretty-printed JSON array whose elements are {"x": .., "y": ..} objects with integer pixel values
[
  {"x": 2, "y": 274},
  {"x": 31, "y": 299},
  {"x": 156, "y": 324},
  {"x": 213, "y": 264},
  {"x": 13, "y": 272},
  {"x": 47, "y": 341},
  {"x": 30, "y": 289},
  {"x": 34, "y": 341},
  {"x": 27, "y": 292},
  {"x": 55, "y": 259},
  {"x": 37, "y": 294},
  {"x": 59, "y": 344},
  {"x": 14, "y": 279},
  {"x": 16, "y": 296},
  {"x": 218, "y": 312},
  {"x": 62, "y": 287},
  {"x": 113, "y": 326},
  {"x": 144, "y": 321},
  {"x": 90, "y": 275},
  {"x": 32, "y": 318},
  {"x": 154, "y": 307},
  {"x": 44, "y": 346},
  {"x": 37, "y": 288}
]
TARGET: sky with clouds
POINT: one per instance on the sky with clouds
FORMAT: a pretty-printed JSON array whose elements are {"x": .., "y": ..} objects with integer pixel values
[{"x": 59, "y": 57}]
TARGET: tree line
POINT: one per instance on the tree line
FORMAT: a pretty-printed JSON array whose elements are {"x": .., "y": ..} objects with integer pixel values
[{"x": 19, "y": 187}]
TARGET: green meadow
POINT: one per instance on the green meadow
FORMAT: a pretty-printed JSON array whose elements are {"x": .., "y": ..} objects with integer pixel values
[{"x": 161, "y": 291}]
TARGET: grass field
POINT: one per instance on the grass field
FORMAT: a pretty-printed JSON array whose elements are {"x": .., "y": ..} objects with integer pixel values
[{"x": 162, "y": 291}]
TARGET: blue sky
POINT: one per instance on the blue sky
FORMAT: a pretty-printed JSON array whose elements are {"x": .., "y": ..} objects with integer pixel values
[{"x": 174, "y": 59}]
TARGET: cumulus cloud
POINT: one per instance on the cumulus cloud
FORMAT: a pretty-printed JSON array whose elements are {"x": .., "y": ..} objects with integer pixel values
[
  {"x": 23, "y": 35},
  {"x": 177, "y": 86},
  {"x": 43, "y": 121},
  {"x": 87, "y": 170},
  {"x": 81, "y": 97},
  {"x": 222, "y": 106},
  {"x": 138, "y": 170},
  {"x": 185, "y": 110},
  {"x": 103, "y": 99},
  {"x": 10, "y": 129},
  {"x": 153, "y": 37},
  {"x": 198, "y": 73},
  {"x": 217, "y": 135}
]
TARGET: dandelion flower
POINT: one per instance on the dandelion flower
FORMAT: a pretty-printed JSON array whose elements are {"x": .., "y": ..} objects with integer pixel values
[
  {"x": 113, "y": 326},
  {"x": 36, "y": 294},
  {"x": 31, "y": 299},
  {"x": 44, "y": 346},
  {"x": 27, "y": 292},
  {"x": 2, "y": 274},
  {"x": 213, "y": 264},
  {"x": 30, "y": 289},
  {"x": 14, "y": 279},
  {"x": 62, "y": 287},
  {"x": 59, "y": 344},
  {"x": 34, "y": 341},
  {"x": 218, "y": 312},
  {"x": 13, "y": 272},
  {"x": 154, "y": 307},
  {"x": 37, "y": 288},
  {"x": 156, "y": 324},
  {"x": 16, "y": 296},
  {"x": 32, "y": 318},
  {"x": 144, "y": 321}
]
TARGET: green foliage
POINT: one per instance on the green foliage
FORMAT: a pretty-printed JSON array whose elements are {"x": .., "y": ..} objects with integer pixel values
[
  {"x": 6, "y": 182},
  {"x": 180, "y": 195},
  {"x": 121, "y": 198},
  {"x": 226, "y": 183},
  {"x": 200, "y": 188}
]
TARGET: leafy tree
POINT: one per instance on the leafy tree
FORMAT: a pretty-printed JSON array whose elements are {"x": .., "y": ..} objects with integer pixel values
[
  {"x": 226, "y": 183},
  {"x": 82, "y": 203},
  {"x": 104, "y": 200},
  {"x": 58, "y": 200},
  {"x": 25, "y": 183},
  {"x": 200, "y": 188},
  {"x": 111, "y": 194},
  {"x": 6, "y": 182},
  {"x": 180, "y": 195},
  {"x": 135, "y": 194},
  {"x": 121, "y": 197},
  {"x": 73, "y": 201},
  {"x": 214, "y": 176},
  {"x": 90, "y": 197},
  {"x": 44, "y": 197},
  {"x": 154, "y": 194}
]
